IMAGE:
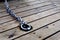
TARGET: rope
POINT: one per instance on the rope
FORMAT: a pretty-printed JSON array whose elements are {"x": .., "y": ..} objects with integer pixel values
[
  {"x": 12, "y": 13},
  {"x": 23, "y": 26}
]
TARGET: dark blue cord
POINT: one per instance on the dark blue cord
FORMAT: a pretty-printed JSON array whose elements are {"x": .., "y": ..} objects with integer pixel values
[
  {"x": 24, "y": 26},
  {"x": 12, "y": 13}
]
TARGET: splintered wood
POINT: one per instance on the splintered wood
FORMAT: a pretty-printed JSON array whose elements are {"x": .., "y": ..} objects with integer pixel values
[{"x": 43, "y": 15}]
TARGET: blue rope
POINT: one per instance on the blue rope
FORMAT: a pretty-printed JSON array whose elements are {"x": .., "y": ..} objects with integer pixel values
[
  {"x": 24, "y": 26},
  {"x": 12, "y": 13}
]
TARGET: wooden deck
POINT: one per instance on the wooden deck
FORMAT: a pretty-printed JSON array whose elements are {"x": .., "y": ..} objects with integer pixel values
[{"x": 43, "y": 15}]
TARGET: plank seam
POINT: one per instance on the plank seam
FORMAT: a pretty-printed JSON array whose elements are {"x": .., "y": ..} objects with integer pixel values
[
  {"x": 26, "y": 6},
  {"x": 26, "y": 10},
  {"x": 31, "y": 21},
  {"x": 51, "y": 35},
  {"x": 28, "y": 15},
  {"x": 37, "y": 29}
]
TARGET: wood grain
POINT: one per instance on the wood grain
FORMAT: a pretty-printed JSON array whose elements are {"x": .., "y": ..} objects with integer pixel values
[{"x": 43, "y": 15}]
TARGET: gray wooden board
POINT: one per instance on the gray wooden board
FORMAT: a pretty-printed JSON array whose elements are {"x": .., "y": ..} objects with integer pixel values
[
  {"x": 31, "y": 18},
  {"x": 18, "y": 4},
  {"x": 39, "y": 24},
  {"x": 43, "y": 15},
  {"x": 25, "y": 14},
  {"x": 44, "y": 32},
  {"x": 23, "y": 9}
]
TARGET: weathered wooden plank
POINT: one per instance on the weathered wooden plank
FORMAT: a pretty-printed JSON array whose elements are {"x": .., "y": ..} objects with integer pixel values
[
  {"x": 28, "y": 37},
  {"x": 30, "y": 18},
  {"x": 44, "y": 16},
  {"x": 39, "y": 23},
  {"x": 37, "y": 10},
  {"x": 56, "y": 24},
  {"x": 55, "y": 37},
  {"x": 27, "y": 13},
  {"x": 25, "y": 4},
  {"x": 2, "y": 38},
  {"x": 21, "y": 4},
  {"x": 42, "y": 33},
  {"x": 39, "y": 5},
  {"x": 56, "y": 2},
  {"x": 18, "y": 2},
  {"x": 31, "y": 7},
  {"x": 13, "y": 6},
  {"x": 18, "y": 5}
]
